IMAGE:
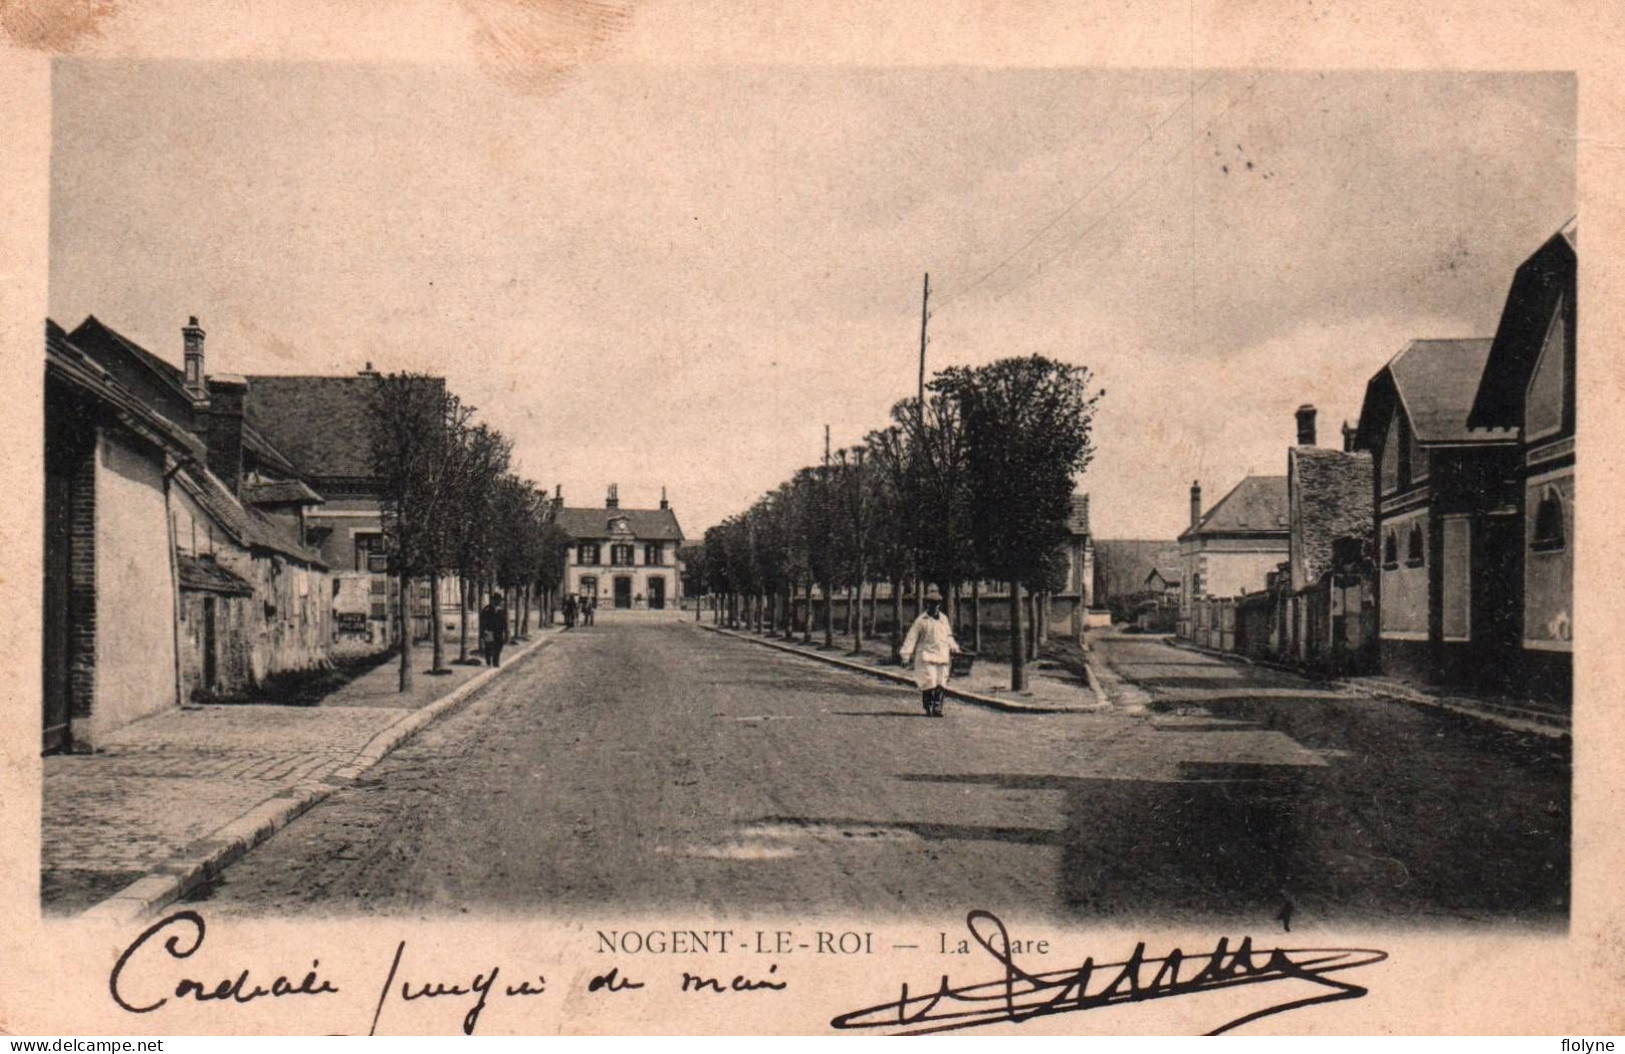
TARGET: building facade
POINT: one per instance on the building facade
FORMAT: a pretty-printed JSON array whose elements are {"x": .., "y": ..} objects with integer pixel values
[
  {"x": 1233, "y": 548},
  {"x": 1527, "y": 392},
  {"x": 624, "y": 558},
  {"x": 1447, "y": 529}
]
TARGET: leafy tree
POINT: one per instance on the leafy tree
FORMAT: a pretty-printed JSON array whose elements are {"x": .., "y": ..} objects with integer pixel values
[
  {"x": 1026, "y": 427},
  {"x": 413, "y": 419}
]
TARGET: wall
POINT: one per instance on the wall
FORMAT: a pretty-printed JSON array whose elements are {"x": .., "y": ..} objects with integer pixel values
[
  {"x": 135, "y": 636},
  {"x": 638, "y": 571},
  {"x": 1404, "y": 589}
]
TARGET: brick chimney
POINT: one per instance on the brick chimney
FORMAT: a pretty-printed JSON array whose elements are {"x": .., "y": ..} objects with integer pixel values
[
  {"x": 1349, "y": 437},
  {"x": 1196, "y": 503},
  {"x": 225, "y": 429},
  {"x": 196, "y": 383},
  {"x": 1306, "y": 425},
  {"x": 613, "y": 501},
  {"x": 663, "y": 503}
]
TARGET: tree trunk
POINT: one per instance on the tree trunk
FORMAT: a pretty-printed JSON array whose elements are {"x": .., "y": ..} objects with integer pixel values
[
  {"x": 897, "y": 622},
  {"x": 462, "y": 617},
  {"x": 857, "y": 625},
  {"x": 976, "y": 614},
  {"x": 436, "y": 630},
  {"x": 405, "y": 606},
  {"x": 829, "y": 615},
  {"x": 1018, "y": 643},
  {"x": 874, "y": 607},
  {"x": 806, "y": 627}
]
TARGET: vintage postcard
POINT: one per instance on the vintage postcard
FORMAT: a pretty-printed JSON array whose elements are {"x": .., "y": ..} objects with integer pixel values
[{"x": 587, "y": 516}]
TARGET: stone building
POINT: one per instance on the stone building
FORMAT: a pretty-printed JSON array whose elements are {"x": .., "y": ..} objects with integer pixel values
[
  {"x": 109, "y": 593},
  {"x": 625, "y": 558},
  {"x": 243, "y": 597},
  {"x": 1232, "y": 548},
  {"x": 1527, "y": 392},
  {"x": 1447, "y": 533}
]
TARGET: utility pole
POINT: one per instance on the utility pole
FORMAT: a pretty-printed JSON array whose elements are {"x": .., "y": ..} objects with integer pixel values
[{"x": 925, "y": 316}]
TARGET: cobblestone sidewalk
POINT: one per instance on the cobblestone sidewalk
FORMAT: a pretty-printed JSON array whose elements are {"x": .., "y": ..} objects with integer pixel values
[{"x": 166, "y": 785}]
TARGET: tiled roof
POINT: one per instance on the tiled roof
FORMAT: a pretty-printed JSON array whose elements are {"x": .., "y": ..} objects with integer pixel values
[
  {"x": 1077, "y": 521},
  {"x": 1437, "y": 381},
  {"x": 72, "y": 364},
  {"x": 1331, "y": 499},
  {"x": 1256, "y": 505},
  {"x": 278, "y": 492},
  {"x": 249, "y": 527},
  {"x": 1123, "y": 565},
  {"x": 655, "y": 525},
  {"x": 1167, "y": 573},
  {"x": 204, "y": 573},
  {"x": 322, "y": 424}
]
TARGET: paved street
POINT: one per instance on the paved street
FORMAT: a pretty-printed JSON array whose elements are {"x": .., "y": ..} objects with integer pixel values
[{"x": 649, "y": 764}]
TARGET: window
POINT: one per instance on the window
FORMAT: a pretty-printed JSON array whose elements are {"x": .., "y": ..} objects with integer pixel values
[
  {"x": 370, "y": 554},
  {"x": 652, "y": 554},
  {"x": 620, "y": 555},
  {"x": 1390, "y": 550},
  {"x": 1551, "y": 534},
  {"x": 587, "y": 553},
  {"x": 1415, "y": 547}
]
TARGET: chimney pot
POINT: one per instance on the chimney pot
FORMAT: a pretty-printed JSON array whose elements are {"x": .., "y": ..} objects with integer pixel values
[
  {"x": 663, "y": 503},
  {"x": 1349, "y": 434},
  {"x": 195, "y": 381},
  {"x": 612, "y": 501},
  {"x": 1306, "y": 425},
  {"x": 1196, "y": 503}
]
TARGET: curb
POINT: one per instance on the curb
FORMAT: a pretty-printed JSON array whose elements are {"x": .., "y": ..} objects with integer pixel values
[
  {"x": 974, "y": 698},
  {"x": 1541, "y": 724},
  {"x": 204, "y": 860}
]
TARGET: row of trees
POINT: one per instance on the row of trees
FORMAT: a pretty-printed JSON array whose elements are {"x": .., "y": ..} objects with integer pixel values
[
  {"x": 452, "y": 505},
  {"x": 974, "y": 484}
]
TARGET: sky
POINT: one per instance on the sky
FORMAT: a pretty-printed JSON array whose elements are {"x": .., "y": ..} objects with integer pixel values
[{"x": 677, "y": 276}]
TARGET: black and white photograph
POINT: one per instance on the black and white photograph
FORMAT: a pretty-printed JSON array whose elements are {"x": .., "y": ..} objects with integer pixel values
[{"x": 963, "y": 506}]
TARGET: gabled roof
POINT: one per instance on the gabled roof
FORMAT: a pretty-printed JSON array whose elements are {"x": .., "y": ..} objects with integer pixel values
[
  {"x": 248, "y": 527},
  {"x": 1435, "y": 382},
  {"x": 1077, "y": 521},
  {"x": 102, "y": 341},
  {"x": 322, "y": 424},
  {"x": 653, "y": 525},
  {"x": 1256, "y": 505},
  {"x": 70, "y": 363},
  {"x": 1538, "y": 287},
  {"x": 1166, "y": 574}
]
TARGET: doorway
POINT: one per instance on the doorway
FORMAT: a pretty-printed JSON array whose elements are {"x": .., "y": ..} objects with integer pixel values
[
  {"x": 657, "y": 594},
  {"x": 623, "y": 592},
  {"x": 211, "y": 670}
]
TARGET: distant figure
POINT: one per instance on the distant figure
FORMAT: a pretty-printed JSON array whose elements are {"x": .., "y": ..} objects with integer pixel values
[
  {"x": 930, "y": 644},
  {"x": 493, "y": 629},
  {"x": 591, "y": 604},
  {"x": 569, "y": 611}
]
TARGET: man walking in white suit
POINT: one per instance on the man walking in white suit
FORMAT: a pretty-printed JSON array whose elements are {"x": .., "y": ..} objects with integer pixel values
[{"x": 931, "y": 645}]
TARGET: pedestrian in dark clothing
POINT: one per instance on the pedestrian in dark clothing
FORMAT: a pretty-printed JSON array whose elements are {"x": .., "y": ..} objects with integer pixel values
[
  {"x": 570, "y": 611},
  {"x": 493, "y": 629},
  {"x": 591, "y": 604}
]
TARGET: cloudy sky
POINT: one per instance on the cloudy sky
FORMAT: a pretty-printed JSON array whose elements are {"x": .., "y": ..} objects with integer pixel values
[{"x": 676, "y": 276}]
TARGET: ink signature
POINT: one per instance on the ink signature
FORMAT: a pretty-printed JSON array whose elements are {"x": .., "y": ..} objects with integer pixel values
[{"x": 1020, "y": 996}]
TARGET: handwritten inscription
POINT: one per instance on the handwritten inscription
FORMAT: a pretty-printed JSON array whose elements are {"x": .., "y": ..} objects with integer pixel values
[
  {"x": 1018, "y": 995},
  {"x": 184, "y": 932}
]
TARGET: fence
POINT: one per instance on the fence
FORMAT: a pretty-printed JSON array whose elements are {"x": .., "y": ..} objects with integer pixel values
[{"x": 1330, "y": 627}]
